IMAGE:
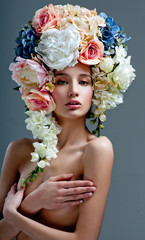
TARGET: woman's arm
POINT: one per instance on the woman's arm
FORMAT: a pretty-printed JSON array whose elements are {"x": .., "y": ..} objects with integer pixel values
[
  {"x": 55, "y": 193},
  {"x": 98, "y": 163},
  {"x": 9, "y": 175}
]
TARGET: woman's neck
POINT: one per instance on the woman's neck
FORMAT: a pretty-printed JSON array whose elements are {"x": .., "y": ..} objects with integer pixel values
[{"x": 74, "y": 132}]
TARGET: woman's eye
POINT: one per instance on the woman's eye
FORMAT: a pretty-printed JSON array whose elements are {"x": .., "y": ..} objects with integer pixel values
[
  {"x": 61, "y": 82},
  {"x": 84, "y": 82}
]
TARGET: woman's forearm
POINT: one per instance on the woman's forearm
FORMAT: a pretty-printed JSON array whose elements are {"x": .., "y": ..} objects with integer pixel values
[
  {"x": 29, "y": 205},
  {"x": 7, "y": 231},
  {"x": 38, "y": 231}
]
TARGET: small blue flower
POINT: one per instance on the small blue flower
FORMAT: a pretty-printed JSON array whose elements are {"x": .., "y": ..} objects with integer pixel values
[
  {"x": 112, "y": 35},
  {"x": 26, "y": 41}
]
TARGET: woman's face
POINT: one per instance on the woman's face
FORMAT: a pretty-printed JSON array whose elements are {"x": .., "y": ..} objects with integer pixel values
[{"x": 73, "y": 83}]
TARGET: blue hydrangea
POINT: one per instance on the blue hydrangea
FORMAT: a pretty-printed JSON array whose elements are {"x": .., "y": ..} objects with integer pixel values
[
  {"x": 26, "y": 41},
  {"x": 112, "y": 35}
]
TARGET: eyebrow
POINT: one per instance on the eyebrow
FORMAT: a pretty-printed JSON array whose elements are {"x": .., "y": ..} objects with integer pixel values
[{"x": 82, "y": 75}]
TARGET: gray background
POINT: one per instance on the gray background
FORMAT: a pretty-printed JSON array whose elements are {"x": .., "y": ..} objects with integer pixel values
[{"x": 124, "y": 217}]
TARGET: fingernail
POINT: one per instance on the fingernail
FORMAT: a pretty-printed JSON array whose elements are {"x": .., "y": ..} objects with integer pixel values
[
  {"x": 90, "y": 194},
  {"x": 93, "y": 188},
  {"x": 81, "y": 201},
  {"x": 91, "y": 183}
]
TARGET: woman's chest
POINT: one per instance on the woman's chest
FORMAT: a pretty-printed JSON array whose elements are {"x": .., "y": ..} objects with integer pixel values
[
  {"x": 70, "y": 161},
  {"x": 66, "y": 162}
]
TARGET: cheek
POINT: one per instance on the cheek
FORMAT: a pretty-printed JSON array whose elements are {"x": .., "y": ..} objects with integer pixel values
[
  {"x": 89, "y": 95},
  {"x": 57, "y": 96}
]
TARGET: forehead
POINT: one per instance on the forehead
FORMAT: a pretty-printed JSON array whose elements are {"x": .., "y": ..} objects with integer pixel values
[{"x": 78, "y": 69}]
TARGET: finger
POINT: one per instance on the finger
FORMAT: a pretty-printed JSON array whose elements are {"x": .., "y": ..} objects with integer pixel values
[
  {"x": 76, "y": 183},
  {"x": 61, "y": 177},
  {"x": 13, "y": 189},
  {"x": 77, "y": 197},
  {"x": 20, "y": 194},
  {"x": 70, "y": 203},
  {"x": 76, "y": 190}
]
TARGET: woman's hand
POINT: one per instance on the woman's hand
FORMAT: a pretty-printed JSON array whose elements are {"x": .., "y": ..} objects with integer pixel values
[
  {"x": 57, "y": 192},
  {"x": 12, "y": 203}
]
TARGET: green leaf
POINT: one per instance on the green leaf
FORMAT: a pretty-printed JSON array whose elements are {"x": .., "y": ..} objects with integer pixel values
[{"x": 102, "y": 126}]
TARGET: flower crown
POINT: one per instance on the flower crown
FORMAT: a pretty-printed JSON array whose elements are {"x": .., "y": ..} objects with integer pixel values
[{"x": 57, "y": 37}]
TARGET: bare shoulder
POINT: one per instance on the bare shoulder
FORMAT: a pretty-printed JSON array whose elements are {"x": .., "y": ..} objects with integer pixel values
[
  {"x": 18, "y": 151},
  {"x": 21, "y": 144},
  {"x": 98, "y": 157},
  {"x": 100, "y": 145}
]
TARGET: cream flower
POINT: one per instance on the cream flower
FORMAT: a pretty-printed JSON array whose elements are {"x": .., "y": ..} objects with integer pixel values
[
  {"x": 102, "y": 117},
  {"x": 59, "y": 48},
  {"x": 120, "y": 54},
  {"x": 43, "y": 164},
  {"x": 107, "y": 64},
  {"x": 35, "y": 157},
  {"x": 40, "y": 148},
  {"x": 123, "y": 75},
  {"x": 106, "y": 100}
]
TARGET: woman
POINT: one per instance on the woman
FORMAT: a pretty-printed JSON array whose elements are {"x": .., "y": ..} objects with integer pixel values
[{"x": 61, "y": 205}]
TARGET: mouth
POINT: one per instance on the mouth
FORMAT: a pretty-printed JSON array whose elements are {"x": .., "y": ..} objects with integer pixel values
[
  {"x": 73, "y": 106},
  {"x": 73, "y": 103}
]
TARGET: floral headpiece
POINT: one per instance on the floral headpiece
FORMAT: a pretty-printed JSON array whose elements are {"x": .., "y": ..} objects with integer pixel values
[{"x": 57, "y": 37}]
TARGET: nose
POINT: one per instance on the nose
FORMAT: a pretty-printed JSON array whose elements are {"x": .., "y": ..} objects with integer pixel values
[{"x": 73, "y": 90}]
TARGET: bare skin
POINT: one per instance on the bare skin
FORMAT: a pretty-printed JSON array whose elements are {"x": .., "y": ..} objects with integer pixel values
[{"x": 87, "y": 157}]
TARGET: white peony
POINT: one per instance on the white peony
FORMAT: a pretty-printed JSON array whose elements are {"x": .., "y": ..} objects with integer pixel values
[
  {"x": 107, "y": 64},
  {"x": 43, "y": 164},
  {"x": 120, "y": 54},
  {"x": 123, "y": 75},
  {"x": 59, "y": 48}
]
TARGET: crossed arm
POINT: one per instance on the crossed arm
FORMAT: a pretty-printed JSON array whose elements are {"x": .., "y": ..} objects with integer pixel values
[{"x": 97, "y": 168}]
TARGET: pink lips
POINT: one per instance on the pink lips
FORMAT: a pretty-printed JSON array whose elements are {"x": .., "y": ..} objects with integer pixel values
[{"x": 71, "y": 102}]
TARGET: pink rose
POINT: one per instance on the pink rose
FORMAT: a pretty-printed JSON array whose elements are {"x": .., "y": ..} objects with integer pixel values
[
  {"x": 44, "y": 19},
  {"x": 38, "y": 100},
  {"x": 92, "y": 54},
  {"x": 29, "y": 73}
]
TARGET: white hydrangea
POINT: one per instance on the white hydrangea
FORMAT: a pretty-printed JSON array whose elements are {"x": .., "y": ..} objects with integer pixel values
[
  {"x": 59, "y": 48},
  {"x": 107, "y": 64},
  {"x": 106, "y": 100}
]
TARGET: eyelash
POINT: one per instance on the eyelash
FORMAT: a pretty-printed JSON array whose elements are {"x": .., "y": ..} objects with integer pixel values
[{"x": 58, "y": 82}]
